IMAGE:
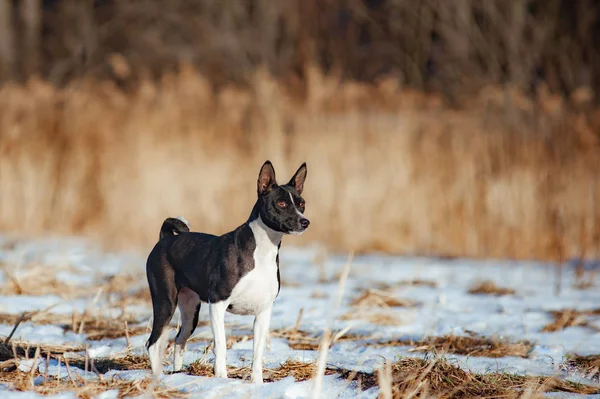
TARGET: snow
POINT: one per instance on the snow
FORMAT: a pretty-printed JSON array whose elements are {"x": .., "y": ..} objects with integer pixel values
[{"x": 313, "y": 286}]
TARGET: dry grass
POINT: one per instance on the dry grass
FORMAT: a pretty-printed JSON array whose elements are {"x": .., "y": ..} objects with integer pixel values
[
  {"x": 87, "y": 389},
  {"x": 40, "y": 280},
  {"x": 464, "y": 345},
  {"x": 299, "y": 370},
  {"x": 588, "y": 365},
  {"x": 377, "y": 298},
  {"x": 104, "y": 365},
  {"x": 490, "y": 288},
  {"x": 27, "y": 350},
  {"x": 418, "y": 283},
  {"x": 95, "y": 326},
  {"x": 440, "y": 379},
  {"x": 379, "y": 318},
  {"x": 565, "y": 318},
  {"x": 302, "y": 340},
  {"x": 408, "y": 377},
  {"x": 505, "y": 175}
]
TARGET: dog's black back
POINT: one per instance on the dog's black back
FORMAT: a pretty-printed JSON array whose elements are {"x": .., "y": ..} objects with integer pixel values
[{"x": 209, "y": 265}]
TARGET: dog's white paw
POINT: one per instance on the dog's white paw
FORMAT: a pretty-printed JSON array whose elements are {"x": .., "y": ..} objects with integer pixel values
[
  {"x": 256, "y": 378},
  {"x": 221, "y": 373}
]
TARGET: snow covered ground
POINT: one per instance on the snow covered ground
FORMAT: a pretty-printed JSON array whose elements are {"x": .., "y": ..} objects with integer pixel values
[{"x": 66, "y": 276}]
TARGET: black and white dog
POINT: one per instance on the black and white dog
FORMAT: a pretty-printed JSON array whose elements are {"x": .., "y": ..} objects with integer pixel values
[{"x": 237, "y": 272}]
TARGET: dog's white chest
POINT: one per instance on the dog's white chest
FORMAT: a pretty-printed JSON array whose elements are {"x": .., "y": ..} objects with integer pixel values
[{"x": 258, "y": 289}]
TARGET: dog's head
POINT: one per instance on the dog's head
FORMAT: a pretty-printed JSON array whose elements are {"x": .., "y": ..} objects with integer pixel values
[{"x": 281, "y": 207}]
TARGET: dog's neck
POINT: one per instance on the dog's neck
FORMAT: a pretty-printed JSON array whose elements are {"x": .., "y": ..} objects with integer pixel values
[{"x": 262, "y": 232}]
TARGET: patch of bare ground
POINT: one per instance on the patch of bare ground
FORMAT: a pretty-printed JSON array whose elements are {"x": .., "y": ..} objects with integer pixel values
[
  {"x": 490, "y": 288},
  {"x": 588, "y": 366},
  {"x": 378, "y": 298},
  {"x": 565, "y": 318},
  {"x": 466, "y": 345}
]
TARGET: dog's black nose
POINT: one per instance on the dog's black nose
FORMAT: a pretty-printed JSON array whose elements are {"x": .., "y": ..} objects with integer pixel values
[{"x": 304, "y": 223}]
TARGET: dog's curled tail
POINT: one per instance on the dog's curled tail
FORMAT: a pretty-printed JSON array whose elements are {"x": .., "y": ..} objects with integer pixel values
[{"x": 174, "y": 226}]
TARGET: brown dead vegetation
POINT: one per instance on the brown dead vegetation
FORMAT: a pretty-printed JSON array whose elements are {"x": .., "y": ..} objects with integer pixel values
[
  {"x": 17, "y": 349},
  {"x": 104, "y": 365},
  {"x": 490, "y": 288},
  {"x": 299, "y": 370},
  {"x": 302, "y": 340},
  {"x": 565, "y": 318},
  {"x": 465, "y": 345},
  {"x": 440, "y": 379},
  {"x": 588, "y": 365},
  {"x": 36, "y": 280},
  {"x": 86, "y": 389},
  {"x": 387, "y": 286},
  {"x": 95, "y": 326},
  {"x": 379, "y": 318},
  {"x": 412, "y": 377},
  {"x": 514, "y": 169},
  {"x": 378, "y": 298}
]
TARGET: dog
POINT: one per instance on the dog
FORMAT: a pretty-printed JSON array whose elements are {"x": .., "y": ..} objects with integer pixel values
[{"x": 237, "y": 272}]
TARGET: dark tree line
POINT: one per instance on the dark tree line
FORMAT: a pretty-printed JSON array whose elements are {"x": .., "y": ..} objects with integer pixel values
[{"x": 450, "y": 45}]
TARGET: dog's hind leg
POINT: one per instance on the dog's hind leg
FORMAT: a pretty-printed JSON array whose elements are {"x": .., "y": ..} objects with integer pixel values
[
  {"x": 189, "y": 307},
  {"x": 161, "y": 279}
]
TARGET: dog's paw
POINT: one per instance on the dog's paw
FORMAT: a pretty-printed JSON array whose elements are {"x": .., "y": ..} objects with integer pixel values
[{"x": 221, "y": 373}]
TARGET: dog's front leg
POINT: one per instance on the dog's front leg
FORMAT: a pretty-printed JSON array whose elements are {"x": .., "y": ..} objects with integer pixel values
[
  {"x": 261, "y": 330},
  {"x": 217, "y": 321}
]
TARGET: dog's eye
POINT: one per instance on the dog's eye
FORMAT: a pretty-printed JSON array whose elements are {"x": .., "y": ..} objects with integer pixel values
[
  {"x": 281, "y": 204},
  {"x": 302, "y": 204}
]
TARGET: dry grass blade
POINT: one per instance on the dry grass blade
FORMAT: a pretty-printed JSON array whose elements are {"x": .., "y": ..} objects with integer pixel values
[
  {"x": 377, "y": 298},
  {"x": 468, "y": 346},
  {"x": 490, "y": 288}
]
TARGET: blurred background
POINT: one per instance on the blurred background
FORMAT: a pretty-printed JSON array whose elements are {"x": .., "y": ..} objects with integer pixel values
[{"x": 430, "y": 127}]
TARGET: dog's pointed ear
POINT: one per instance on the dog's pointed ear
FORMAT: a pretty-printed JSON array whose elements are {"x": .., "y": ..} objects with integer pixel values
[
  {"x": 266, "y": 178},
  {"x": 298, "y": 180}
]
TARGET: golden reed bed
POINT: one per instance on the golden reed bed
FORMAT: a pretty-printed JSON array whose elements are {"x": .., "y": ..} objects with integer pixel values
[{"x": 390, "y": 169}]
